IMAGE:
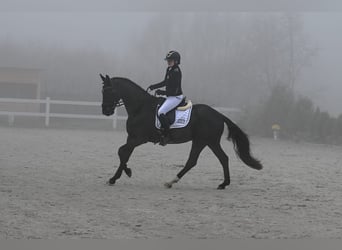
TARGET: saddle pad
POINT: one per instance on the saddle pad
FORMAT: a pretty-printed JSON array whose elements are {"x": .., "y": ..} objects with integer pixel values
[{"x": 181, "y": 121}]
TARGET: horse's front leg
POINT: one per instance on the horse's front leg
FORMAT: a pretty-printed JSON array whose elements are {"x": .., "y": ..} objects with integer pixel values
[{"x": 125, "y": 151}]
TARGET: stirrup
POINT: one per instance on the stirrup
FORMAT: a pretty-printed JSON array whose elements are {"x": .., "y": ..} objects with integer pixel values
[{"x": 164, "y": 139}]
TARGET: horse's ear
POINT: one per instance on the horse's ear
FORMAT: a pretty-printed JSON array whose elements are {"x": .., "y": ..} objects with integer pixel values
[
  {"x": 102, "y": 77},
  {"x": 108, "y": 78}
]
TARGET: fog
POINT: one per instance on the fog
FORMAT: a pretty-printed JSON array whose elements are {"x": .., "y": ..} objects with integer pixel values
[
  {"x": 229, "y": 59},
  {"x": 274, "y": 72}
]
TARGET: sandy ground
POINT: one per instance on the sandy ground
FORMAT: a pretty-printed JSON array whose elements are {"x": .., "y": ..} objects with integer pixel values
[{"x": 52, "y": 186}]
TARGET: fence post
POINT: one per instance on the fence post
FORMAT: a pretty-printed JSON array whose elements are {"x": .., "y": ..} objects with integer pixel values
[
  {"x": 115, "y": 120},
  {"x": 47, "y": 112},
  {"x": 11, "y": 119}
]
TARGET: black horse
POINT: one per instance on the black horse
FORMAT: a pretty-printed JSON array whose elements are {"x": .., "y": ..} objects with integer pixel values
[{"x": 204, "y": 129}]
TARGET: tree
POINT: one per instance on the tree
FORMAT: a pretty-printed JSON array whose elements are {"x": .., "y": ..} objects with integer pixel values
[
  {"x": 282, "y": 48},
  {"x": 229, "y": 59},
  {"x": 301, "y": 116}
]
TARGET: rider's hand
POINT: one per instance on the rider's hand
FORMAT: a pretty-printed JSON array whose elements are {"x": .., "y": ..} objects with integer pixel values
[
  {"x": 150, "y": 87},
  {"x": 159, "y": 92}
]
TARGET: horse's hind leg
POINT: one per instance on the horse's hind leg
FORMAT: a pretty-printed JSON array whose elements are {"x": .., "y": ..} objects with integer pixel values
[
  {"x": 224, "y": 160},
  {"x": 196, "y": 149}
]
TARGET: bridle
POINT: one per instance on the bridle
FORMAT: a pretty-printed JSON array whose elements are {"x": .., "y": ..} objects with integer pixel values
[{"x": 117, "y": 103}]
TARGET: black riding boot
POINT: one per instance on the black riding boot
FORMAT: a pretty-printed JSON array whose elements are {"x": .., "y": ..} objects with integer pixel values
[{"x": 165, "y": 128}]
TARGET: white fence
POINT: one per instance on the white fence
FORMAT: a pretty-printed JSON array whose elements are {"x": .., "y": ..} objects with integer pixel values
[{"x": 47, "y": 114}]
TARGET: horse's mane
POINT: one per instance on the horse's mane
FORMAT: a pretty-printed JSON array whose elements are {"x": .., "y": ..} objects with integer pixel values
[
  {"x": 131, "y": 82},
  {"x": 122, "y": 81}
]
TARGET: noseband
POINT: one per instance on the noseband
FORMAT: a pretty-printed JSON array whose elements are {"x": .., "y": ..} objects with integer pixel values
[{"x": 117, "y": 103}]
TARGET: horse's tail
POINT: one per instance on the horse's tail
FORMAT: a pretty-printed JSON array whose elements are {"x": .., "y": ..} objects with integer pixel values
[{"x": 241, "y": 144}]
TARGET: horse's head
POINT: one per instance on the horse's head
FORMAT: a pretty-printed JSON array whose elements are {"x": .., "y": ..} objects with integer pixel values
[{"x": 110, "y": 96}]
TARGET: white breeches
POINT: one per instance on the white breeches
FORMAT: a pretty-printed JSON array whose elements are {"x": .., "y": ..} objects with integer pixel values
[{"x": 170, "y": 103}]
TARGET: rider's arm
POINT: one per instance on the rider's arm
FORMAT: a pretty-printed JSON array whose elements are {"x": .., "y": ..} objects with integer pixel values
[
  {"x": 161, "y": 84},
  {"x": 161, "y": 92},
  {"x": 158, "y": 85}
]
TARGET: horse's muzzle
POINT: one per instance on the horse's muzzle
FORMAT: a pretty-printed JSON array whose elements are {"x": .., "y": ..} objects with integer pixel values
[{"x": 107, "y": 112}]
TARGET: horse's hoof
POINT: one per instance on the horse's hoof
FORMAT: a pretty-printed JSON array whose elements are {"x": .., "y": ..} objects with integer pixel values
[
  {"x": 221, "y": 187},
  {"x": 168, "y": 185},
  {"x": 111, "y": 182},
  {"x": 128, "y": 172}
]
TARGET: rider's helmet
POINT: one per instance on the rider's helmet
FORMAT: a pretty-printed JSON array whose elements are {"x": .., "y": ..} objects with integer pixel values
[{"x": 173, "y": 55}]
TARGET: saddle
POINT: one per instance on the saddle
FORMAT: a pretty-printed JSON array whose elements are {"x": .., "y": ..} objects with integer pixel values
[{"x": 177, "y": 117}]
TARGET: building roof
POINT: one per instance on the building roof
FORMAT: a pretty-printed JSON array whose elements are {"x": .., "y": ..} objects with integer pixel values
[{"x": 20, "y": 75}]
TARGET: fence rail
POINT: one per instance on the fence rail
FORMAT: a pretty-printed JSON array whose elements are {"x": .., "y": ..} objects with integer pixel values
[{"x": 47, "y": 114}]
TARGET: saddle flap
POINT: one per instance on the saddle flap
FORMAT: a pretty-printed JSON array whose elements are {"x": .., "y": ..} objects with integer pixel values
[{"x": 177, "y": 118}]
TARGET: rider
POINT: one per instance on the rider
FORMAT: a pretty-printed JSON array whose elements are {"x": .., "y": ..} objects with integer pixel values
[{"x": 173, "y": 91}]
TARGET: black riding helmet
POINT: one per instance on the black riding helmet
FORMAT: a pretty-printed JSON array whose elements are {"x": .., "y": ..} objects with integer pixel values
[{"x": 173, "y": 55}]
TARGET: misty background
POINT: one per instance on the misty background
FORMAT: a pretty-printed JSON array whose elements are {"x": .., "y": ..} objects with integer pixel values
[{"x": 229, "y": 59}]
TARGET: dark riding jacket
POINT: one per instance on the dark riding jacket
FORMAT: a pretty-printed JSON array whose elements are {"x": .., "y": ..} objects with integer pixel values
[{"x": 172, "y": 82}]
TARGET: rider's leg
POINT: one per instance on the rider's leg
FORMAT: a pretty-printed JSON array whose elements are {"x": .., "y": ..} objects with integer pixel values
[{"x": 170, "y": 103}]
